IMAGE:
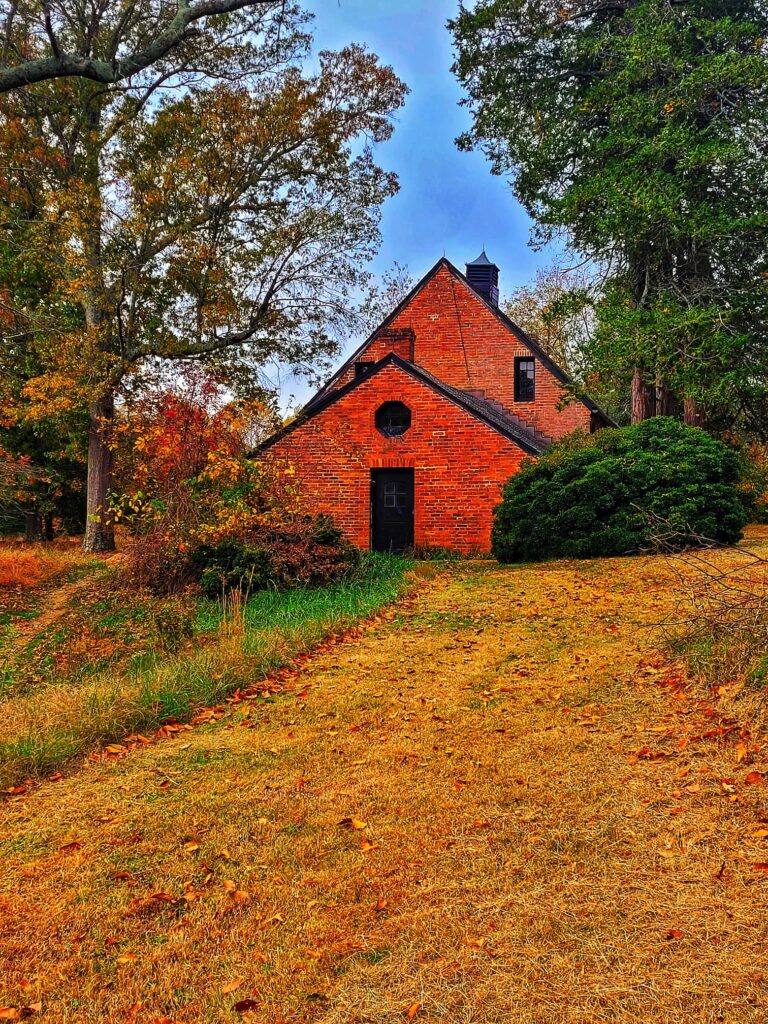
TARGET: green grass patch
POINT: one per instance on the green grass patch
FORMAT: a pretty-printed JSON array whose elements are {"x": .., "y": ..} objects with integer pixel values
[{"x": 238, "y": 646}]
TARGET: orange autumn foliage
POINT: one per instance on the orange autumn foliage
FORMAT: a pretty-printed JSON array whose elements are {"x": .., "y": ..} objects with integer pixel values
[{"x": 22, "y": 568}]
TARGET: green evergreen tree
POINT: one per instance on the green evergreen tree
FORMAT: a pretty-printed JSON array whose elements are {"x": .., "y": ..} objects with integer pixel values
[{"x": 638, "y": 128}]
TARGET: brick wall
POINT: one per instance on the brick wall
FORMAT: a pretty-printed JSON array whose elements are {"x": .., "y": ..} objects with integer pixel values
[
  {"x": 458, "y": 339},
  {"x": 459, "y": 463}
]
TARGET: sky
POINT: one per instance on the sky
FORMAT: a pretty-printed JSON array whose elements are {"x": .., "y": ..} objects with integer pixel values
[
  {"x": 449, "y": 203},
  {"x": 448, "y": 200}
]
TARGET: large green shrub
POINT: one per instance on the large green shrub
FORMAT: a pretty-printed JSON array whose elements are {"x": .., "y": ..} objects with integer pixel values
[{"x": 598, "y": 494}]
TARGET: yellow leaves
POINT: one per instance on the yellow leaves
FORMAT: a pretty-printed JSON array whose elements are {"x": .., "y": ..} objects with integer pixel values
[
  {"x": 238, "y": 896},
  {"x": 353, "y": 823}
]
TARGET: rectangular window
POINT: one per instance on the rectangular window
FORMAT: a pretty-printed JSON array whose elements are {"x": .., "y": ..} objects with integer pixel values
[
  {"x": 525, "y": 379},
  {"x": 362, "y": 367}
]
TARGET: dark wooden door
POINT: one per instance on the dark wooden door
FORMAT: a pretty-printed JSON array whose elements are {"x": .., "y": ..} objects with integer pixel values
[{"x": 392, "y": 509}]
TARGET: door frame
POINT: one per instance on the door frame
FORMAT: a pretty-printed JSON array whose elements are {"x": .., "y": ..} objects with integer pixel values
[{"x": 375, "y": 473}]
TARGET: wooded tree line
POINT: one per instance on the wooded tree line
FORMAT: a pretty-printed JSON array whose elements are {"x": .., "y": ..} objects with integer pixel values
[
  {"x": 636, "y": 130},
  {"x": 176, "y": 186},
  {"x": 186, "y": 183}
]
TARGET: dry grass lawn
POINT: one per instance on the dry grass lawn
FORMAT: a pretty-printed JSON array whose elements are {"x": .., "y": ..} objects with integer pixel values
[{"x": 496, "y": 805}]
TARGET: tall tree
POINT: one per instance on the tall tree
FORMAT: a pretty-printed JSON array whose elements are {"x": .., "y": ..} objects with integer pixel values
[
  {"x": 43, "y": 456},
  {"x": 38, "y": 44},
  {"x": 216, "y": 204},
  {"x": 383, "y": 296},
  {"x": 639, "y": 128},
  {"x": 557, "y": 310}
]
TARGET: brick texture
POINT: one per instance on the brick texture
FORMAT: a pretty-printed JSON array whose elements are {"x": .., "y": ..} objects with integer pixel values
[
  {"x": 458, "y": 339},
  {"x": 459, "y": 463}
]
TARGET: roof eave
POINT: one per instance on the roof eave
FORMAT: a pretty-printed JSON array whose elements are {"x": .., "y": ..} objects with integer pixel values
[{"x": 529, "y": 445}]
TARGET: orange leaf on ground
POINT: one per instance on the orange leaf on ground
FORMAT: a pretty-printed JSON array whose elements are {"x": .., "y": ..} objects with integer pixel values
[
  {"x": 413, "y": 1010},
  {"x": 353, "y": 823}
]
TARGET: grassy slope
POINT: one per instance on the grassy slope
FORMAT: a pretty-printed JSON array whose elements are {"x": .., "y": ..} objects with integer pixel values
[
  {"x": 551, "y": 829},
  {"x": 50, "y": 714}
]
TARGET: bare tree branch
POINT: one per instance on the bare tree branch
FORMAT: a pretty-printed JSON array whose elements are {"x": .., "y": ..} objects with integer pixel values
[{"x": 82, "y": 65}]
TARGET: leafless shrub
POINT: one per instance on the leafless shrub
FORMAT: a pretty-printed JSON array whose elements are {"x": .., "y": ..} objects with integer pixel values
[{"x": 720, "y": 621}]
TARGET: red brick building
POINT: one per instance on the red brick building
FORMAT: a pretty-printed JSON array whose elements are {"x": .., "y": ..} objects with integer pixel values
[{"x": 410, "y": 442}]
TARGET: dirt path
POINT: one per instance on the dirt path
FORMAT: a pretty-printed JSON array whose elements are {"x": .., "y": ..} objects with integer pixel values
[
  {"x": 491, "y": 810},
  {"x": 55, "y": 602}
]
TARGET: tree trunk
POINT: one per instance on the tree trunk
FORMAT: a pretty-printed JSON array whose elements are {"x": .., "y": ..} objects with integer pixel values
[
  {"x": 33, "y": 526},
  {"x": 48, "y": 531},
  {"x": 643, "y": 401},
  {"x": 693, "y": 414},
  {"x": 99, "y": 527},
  {"x": 664, "y": 399}
]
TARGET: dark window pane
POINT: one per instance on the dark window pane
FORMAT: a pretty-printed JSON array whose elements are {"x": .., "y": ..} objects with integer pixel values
[
  {"x": 393, "y": 419},
  {"x": 525, "y": 380}
]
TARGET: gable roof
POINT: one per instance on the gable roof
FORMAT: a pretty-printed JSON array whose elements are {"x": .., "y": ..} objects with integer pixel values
[
  {"x": 511, "y": 326},
  {"x": 527, "y": 440}
]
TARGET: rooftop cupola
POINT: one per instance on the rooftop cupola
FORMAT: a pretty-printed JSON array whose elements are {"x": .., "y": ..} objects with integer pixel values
[{"x": 484, "y": 278}]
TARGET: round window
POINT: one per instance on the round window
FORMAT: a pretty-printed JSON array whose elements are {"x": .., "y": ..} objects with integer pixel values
[{"x": 393, "y": 419}]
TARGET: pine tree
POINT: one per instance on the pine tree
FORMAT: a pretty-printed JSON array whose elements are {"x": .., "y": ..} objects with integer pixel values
[{"x": 639, "y": 128}]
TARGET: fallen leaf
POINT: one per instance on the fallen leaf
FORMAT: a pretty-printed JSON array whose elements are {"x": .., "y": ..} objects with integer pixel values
[
  {"x": 753, "y": 779},
  {"x": 231, "y": 986},
  {"x": 673, "y": 933},
  {"x": 164, "y": 897},
  {"x": 353, "y": 823},
  {"x": 413, "y": 1010},
  {"x": 191, "y": 847},
  {"x": 127, "y": 958},
  {"x": 246, "y": 1005}
]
